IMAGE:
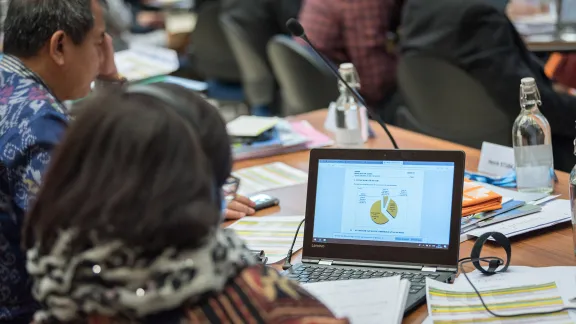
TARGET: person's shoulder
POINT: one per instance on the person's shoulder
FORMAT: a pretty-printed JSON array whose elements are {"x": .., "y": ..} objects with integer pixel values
[
  {"x": 277, "y": 296},
  {"x": 260, "y": 294},
  {"x": 30, "y": 114}
]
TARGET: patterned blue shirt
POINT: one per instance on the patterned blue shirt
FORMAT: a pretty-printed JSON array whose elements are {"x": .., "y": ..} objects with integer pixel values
[{"x": 32, "y": 121}]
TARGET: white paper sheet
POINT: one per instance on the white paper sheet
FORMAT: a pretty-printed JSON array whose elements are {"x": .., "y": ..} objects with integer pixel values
[
  {"x": 503, "y": 295},
  {"x": 553, "y": 212},
  {"x": 269, "y": 176},
  {"x": 143, "y": 62},
  {"x": 368, "y": 301},
  {"x": 250, "y": 126},
  {"x": 273, "y": 234}
]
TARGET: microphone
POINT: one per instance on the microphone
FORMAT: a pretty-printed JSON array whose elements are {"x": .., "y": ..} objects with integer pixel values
[
  {"x": 296, "y": 29},
  {"x": 287, "y": 263}
]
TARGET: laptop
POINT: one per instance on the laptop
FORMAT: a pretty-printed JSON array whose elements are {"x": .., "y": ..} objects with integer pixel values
[{"x": 382, "y": 213}]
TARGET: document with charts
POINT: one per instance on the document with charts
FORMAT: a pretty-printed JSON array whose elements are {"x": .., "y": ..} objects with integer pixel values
[
  {"x": 383, "y": 201},
  {"x": 460, "y": 304}
]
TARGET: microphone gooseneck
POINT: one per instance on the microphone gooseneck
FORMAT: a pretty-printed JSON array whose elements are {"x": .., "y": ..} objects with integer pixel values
[{"x": 296, "y": 29}]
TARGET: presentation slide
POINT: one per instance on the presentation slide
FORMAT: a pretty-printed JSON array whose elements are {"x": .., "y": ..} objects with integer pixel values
[{"x": 382, "y": 201}]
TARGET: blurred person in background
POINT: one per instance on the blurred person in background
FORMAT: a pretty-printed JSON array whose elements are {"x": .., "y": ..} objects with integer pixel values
[
  {"x": 357, "y": 32},
  {"x": 148, "y": 24},
  {"x": 53, "y": 51},
  {"x": 478, "y": 37},
  {"x": 175, "y": 264}
]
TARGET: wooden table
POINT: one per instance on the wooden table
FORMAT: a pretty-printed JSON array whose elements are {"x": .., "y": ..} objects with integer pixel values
[
  {"x": 549, "y": 247},
  {"x": 549, "y": 43}
]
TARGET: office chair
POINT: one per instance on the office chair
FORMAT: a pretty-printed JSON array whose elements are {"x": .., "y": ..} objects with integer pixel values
[
  {"x": 258, "y": 80},
  {"x": 305, "y": 81},
  {"x": 444, "y": 101},
  {"x": 210, "y": 51},
  {"x": 210, "y": 55}
]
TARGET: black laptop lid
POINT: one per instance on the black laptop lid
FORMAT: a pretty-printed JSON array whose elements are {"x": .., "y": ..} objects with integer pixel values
[{"x": 387, "y": 206}]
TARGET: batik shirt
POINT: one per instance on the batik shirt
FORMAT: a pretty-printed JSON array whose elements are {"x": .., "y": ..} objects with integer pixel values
[{"x": 32, "y": 121}]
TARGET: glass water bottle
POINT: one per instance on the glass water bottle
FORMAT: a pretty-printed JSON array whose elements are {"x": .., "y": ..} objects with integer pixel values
[
  {"x": 573, "y": 199},
  {"x": 348, "y": 113},
  {"x": 532, "y": 142}
]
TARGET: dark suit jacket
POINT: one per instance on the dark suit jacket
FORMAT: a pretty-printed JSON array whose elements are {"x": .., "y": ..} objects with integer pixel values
[{"x": 477, "y": 36}]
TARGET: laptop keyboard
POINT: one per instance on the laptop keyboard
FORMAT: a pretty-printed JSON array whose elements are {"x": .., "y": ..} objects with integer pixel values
[{"x": 306, "y": 273}]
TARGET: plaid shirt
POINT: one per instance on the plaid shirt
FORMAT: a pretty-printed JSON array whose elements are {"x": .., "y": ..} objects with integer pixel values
[{"x": 354, "y": 31}]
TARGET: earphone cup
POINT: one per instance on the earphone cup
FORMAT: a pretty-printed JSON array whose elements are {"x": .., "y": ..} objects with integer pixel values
[{"x": 499, "y": 238}]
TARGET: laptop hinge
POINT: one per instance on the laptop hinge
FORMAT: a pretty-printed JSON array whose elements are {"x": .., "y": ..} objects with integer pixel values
[
  {"x": 429, "y": 269},
  {"x": 325, "y": 262}
]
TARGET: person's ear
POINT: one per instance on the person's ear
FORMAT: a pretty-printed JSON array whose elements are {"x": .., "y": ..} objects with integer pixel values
[{"x": 57, "y": 46}]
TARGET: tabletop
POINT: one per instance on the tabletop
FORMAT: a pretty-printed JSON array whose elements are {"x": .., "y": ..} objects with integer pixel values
[
  {"x": 550, "y": 44},
  {"x": 549, "y": 247}
]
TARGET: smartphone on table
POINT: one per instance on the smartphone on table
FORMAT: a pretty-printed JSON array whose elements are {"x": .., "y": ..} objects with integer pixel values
[{"x": 264, "y": 201}]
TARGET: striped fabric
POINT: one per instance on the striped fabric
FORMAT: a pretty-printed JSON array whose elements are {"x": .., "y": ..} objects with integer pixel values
[{"x": 260, "y": 295}]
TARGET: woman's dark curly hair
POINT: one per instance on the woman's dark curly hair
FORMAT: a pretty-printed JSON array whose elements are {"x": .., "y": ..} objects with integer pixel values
[{"x": 130, "y": 167}]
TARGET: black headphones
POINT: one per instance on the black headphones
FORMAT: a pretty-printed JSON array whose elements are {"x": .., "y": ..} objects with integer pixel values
[
  {"x": 181, "y": 107},
  {"x": 493, "y": 262}
]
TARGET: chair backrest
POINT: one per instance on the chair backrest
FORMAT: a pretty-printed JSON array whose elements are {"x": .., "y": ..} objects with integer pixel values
[
  {"x": 257, "y": 79},
  {"x": 210, "y": 51},
  {"x": 445, "y": 102},
  {"x": 305, "y": 81}
]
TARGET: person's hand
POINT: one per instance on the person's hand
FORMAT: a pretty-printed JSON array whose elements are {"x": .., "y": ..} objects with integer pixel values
[
  {"x": 153, "y": 19},
  {"x": 108, "y": 68},
  {"x": 240, "y": 207}
]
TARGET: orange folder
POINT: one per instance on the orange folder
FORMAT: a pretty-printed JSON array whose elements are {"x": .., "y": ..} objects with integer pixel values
[{"x": 478, "y": 199}]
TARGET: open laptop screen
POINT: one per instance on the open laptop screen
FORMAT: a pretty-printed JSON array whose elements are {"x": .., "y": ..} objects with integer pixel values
[{"x": 384, "y": 203}]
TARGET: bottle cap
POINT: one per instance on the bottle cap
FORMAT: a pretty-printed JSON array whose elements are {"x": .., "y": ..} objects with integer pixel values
[
  {"x": 349, "y": 73},
  {"x": 528, "y": 82}
]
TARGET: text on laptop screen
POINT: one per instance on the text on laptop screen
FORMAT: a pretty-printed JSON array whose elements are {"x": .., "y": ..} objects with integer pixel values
[{"x": 389, "y": 203}]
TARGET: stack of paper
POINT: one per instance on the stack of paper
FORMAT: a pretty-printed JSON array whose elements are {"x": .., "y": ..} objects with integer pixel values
[
  {"x": 287, "y": 137},
  {"x": 366, "y": 301},
  {"x": 513, "y": 295},
  {"x": 142, "y": 62},
  {"x": 268, "y": 176},
  {"x": 536, "y": 24},
  {"x": 250, "y": 126},
  {"x": 553, "y": 212},
  {"x": 478, "y": 199},
  {"x": 272, "y": 234}
]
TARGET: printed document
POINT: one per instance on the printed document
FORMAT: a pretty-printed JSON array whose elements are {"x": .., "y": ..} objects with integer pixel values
[
  {"x": 273, "y": 234},
  {"x": 269, "y": 176},
  {"x": 459, "y": 303},
  {"x": 364, "y": 301}
]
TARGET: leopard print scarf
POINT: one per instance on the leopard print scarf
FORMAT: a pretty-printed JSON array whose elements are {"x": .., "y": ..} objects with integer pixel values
[{"x": 113, "y": 279}]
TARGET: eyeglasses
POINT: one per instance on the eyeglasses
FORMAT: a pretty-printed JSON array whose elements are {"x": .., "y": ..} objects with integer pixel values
[{"x": 230, "y": 188}]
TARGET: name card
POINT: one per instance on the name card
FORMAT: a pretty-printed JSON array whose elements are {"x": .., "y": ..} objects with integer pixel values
[{"x": 496, "y": 159}]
